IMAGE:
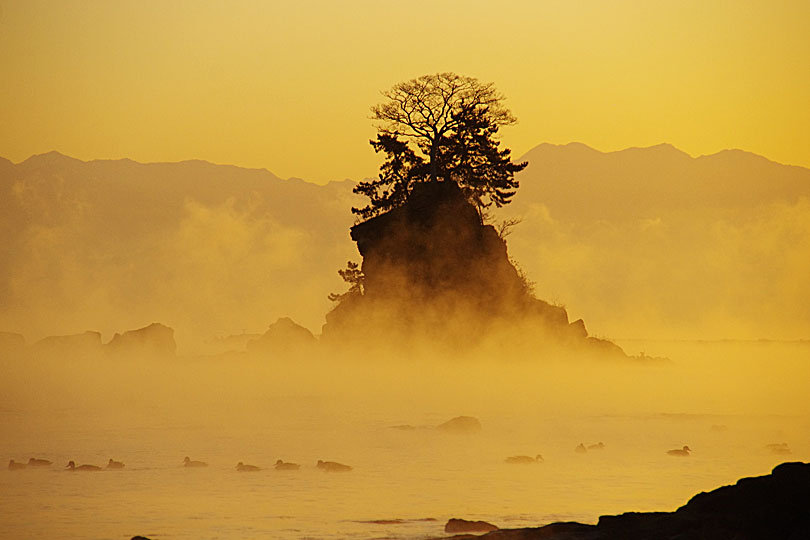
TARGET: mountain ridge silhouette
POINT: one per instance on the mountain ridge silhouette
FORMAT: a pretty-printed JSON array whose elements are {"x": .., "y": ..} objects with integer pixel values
[{"x": 649, "y": 233}]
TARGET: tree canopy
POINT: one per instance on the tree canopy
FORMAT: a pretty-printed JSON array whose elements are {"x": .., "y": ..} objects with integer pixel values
[{"x": 441, "y": 128}]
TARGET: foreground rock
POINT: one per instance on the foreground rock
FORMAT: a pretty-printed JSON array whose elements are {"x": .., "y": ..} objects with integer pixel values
[{"x": 776, "y": 506}]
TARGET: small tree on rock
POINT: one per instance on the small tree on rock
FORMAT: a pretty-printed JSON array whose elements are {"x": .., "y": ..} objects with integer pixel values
[
  {"x": 352, "y": 275},
  {"x": 441, "y": 128}
]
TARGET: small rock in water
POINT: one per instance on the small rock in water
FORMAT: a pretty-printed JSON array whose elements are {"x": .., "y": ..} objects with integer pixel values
[{"x": 455, "y": 525}]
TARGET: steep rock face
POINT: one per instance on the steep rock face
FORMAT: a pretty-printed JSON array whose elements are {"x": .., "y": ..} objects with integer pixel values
[
  {"x": 432, "y": 269},
  {"x": 155, "y": 340}
]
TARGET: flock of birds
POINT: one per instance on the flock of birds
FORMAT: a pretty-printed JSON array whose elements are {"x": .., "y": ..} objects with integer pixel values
[
  {"x": 581, "y": 449},
  {"x": 328, "y": 466}
]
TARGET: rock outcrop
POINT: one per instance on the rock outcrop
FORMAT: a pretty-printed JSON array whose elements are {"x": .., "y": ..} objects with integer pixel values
[
  {"x": 762, "y": 508},
  {"x": 283, "y": 337},
  {"x": 455, "y": 525},
  {"x": 155, "y": 340},
  {"x": 432, "y": 270}
]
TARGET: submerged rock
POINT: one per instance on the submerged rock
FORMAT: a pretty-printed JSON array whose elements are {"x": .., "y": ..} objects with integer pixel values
[{"x": 461, "y": 424}]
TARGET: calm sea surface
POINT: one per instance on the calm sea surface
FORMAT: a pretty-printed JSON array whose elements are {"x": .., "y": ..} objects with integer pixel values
[{"x": 405, "y": 483}]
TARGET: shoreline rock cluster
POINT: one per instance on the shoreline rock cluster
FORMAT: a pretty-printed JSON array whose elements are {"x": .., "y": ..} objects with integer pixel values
[{"x": 155, "y": 340}]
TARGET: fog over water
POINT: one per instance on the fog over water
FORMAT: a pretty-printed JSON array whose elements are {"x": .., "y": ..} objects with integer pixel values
[
  {"x": 727, "y": 401},
  {"x": 213, "y": 251},
  {"x": 646, "y": 242},
  {"x": 189, "y": 268}
]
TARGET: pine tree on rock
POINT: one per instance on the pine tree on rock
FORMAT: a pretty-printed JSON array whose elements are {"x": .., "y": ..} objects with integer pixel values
[{"x": 441, "y": 128}]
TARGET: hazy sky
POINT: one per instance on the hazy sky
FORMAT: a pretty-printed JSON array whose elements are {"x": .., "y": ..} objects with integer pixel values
[{"x": 288, "y": 85}]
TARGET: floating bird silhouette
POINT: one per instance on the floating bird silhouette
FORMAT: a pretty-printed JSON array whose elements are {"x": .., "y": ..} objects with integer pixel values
[
  {"x": 524, "y": 460},
  {"x": 282, "y": 466},
  {"x": 34, "y": 462},
  {"x": 580, "y": 448},
  {"x": 597, "y": 446},
  {"x": 683, "y": 452},
  {"x": 241, "y": 467},
  {"x": 332, "y": 466},
  {"x": 14, "y": 466},
  {"x": 778, "y": 448},
  {"x": 112, "y": 464},
  {"x": 187, "y": 462},
  {"x": 72, "y": 466}
]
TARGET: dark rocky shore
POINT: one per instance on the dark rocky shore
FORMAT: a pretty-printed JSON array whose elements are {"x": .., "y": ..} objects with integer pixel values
[{"x": 771, "y": 507}]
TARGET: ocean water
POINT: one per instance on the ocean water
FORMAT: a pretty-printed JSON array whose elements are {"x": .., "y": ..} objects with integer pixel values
[{"x": 406, "y": 483}]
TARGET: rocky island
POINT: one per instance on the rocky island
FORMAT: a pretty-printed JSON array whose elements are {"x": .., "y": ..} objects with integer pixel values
[{"x": 433, "y": 271}]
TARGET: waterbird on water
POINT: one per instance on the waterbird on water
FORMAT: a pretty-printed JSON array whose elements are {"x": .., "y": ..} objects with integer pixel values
[
  {"x": 72, "y": 466},
  {"x": 282, "y": 466},
  {"x": 683, "y": 452},
  {"x": 14, "y": 466},
  {"x": 34, "y": 462},
  {"x": 241, "y": 467},
  {"x": 521, "y": 460},
  {"x": 597, "y": 446},
  {"x": 580, "y": 448},
  {"x": 187, "y": 462},
  {"x": 115, "y": 464},
  {"x": 332, "y": 466}
]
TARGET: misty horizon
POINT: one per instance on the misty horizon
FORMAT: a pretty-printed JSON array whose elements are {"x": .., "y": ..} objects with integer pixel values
[
  {"x": 564, "y": 217},
  {"x": 522, "y": 157}
]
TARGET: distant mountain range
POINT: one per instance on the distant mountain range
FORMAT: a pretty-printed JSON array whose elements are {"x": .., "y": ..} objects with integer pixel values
[
  {"x": 644, "y": 242},
  {"x": 579, "y": 183}
]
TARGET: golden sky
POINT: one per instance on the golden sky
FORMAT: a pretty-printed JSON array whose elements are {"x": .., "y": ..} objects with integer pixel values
[{"x": 288, "y": 85}]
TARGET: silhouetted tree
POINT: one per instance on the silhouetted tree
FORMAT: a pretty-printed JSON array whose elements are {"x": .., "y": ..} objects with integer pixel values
[
  {"x": 439, "y": 128},
  {"x": 354, "y": 277},
  {"x": 402, "y": 169}
]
